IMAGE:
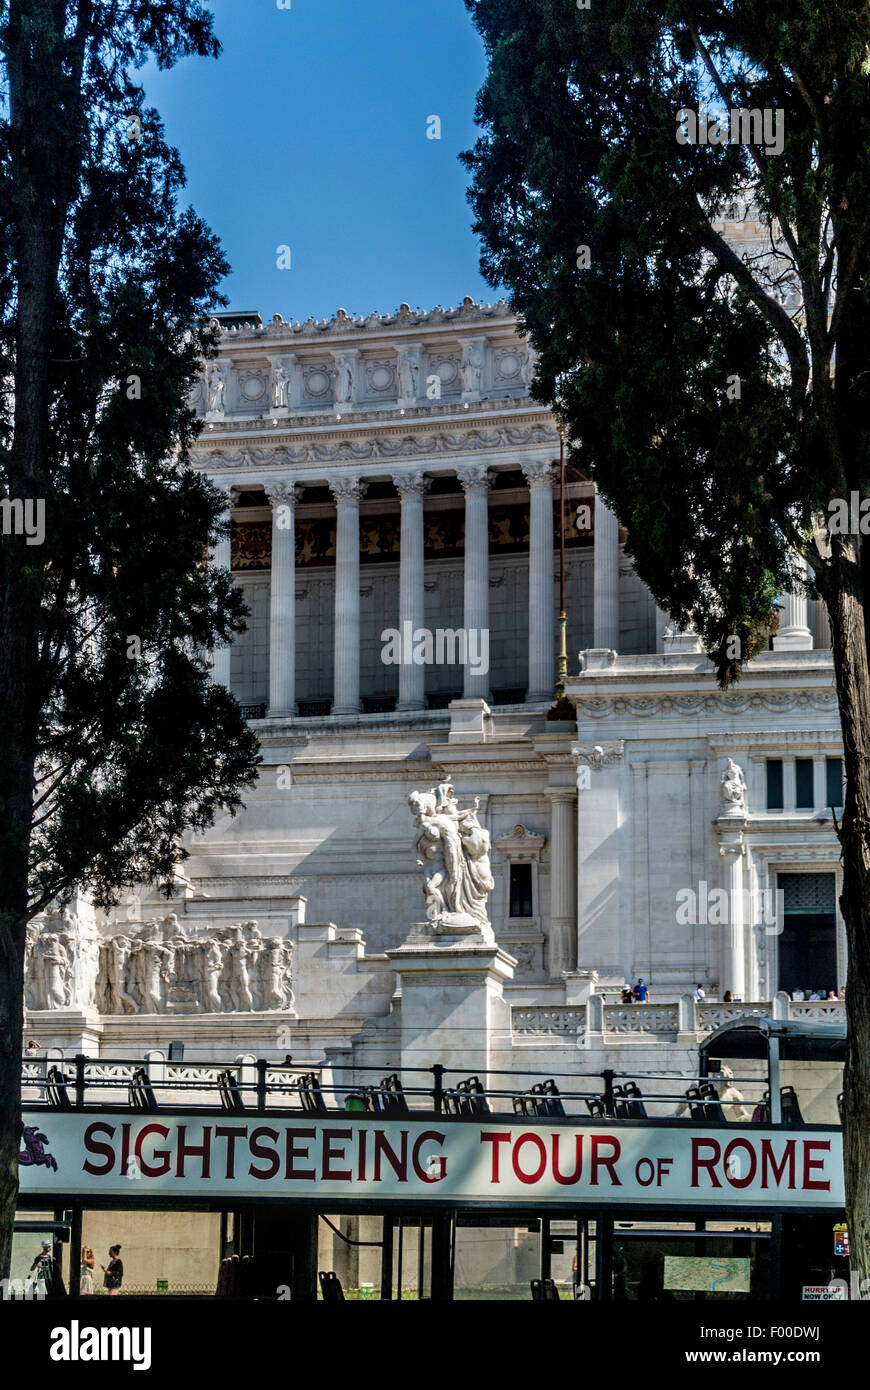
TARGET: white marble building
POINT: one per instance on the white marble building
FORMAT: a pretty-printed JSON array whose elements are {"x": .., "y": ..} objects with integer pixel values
[{"x": 389, "y": 475}]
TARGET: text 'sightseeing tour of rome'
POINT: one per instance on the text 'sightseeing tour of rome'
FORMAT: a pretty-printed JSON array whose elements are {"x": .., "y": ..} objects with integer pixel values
[{"x": 434, "y": 675}]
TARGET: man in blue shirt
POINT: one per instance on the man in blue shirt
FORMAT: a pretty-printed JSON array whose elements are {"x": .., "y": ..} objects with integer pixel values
[{"x": 640, "y": 992}]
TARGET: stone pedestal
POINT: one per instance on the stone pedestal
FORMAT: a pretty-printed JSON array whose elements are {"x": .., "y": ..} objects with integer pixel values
[
  {"x": 452, "y": 1001},
  {"x": 71, "y": 1030}
]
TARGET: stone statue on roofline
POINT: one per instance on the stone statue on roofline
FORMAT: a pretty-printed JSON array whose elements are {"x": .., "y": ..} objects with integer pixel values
[{"x": 732, "y": 788}]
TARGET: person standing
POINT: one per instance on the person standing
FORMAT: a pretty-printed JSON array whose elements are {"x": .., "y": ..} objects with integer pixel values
[
  {"x": 86, "y": 1281},
  {"x": 41, "y": 1271},
  {"x": 113, "y": 1272},
  {"x": 641, "y": 992}
]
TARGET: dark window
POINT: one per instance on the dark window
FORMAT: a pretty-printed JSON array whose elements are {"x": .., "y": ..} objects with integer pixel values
[
  {"x": 807, "y": 944},
  {"x": 803, "y": 784},
  {"x": 833, "y": 781},
  {"x": 774, "y": 784},
  {"x": 314, "y": 709},
  {"x": 521, "y": 890}
]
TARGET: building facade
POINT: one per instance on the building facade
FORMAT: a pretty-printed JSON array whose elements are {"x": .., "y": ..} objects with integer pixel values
[{"x": 394, "y": 500}]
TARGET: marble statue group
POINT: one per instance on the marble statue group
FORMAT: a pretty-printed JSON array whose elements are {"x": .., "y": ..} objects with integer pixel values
[{"x": 454, "y": 848}]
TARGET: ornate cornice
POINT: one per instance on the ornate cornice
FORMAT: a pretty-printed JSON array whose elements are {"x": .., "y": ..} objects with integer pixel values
[
  {"x": 339, "y": 448},
  {"x": 343, "y": 324},
  {"x": 645, "y": 706}
]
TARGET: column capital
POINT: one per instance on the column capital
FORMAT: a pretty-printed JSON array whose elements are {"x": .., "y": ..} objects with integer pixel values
[
  {"x": 538, "y": 472},
  {"x": 283, "y": 494},
  {"x": 348, "y": 490},
  {"x": 474, "y": 478},
  {"x": 411, "y": 485}
]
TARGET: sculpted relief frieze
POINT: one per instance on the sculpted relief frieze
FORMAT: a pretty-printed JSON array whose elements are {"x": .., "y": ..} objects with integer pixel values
[{"x": 158, "y": 968}]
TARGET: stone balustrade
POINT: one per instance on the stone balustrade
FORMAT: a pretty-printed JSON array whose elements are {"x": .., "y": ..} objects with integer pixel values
[
  {"x": 660, "y": 1021},
  {"x": 541, "y": 1021}
]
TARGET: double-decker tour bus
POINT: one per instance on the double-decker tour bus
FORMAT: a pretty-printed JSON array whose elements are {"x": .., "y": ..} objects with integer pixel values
[{"x": 279, "y": 1181}]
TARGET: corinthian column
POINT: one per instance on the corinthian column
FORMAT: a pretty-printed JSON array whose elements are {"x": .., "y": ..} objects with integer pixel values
[
  {"x": 412, "y": 678},
  {"x": 474, "y": 481},
  {"x": 539, "y": 477},
  {"x": 733, "y": 954},
  {"x": 793, "y": 633},
  {"x": 562, "y": 945},
  {"x": 606, "y": 562},
  {"x": 221, "y": 557},
  {"x": 282, "y": 599},
  {"x": 347, "y": 493}
]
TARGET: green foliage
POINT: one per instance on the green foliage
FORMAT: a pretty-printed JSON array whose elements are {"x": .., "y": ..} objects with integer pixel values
[
  {"x": 130, "y": 749},
  {"x": 579, "y": 118}
]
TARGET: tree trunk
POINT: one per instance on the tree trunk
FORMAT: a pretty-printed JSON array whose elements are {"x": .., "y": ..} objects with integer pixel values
[
  {"x": 853, "y": 692},
  {"x": 43, "y": 133}
]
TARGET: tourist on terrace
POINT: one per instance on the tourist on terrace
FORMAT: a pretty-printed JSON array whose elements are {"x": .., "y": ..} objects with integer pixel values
[{"x": 640, "y": 992}]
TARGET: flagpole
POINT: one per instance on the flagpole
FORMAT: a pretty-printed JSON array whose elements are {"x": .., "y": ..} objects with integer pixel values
[{"x": 563, "y": 616}]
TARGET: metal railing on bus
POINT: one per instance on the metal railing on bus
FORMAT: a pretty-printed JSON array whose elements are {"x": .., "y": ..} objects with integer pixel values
[{"x": 257, "y": 1085}]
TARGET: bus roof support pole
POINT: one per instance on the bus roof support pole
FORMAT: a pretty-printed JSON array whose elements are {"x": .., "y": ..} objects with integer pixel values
[
  {"x": 387, "y": 1259},
  {"x": 546, "y": 1252},
  {"x": 75, "y": 1253},
  {"x": 80, "y": 1080},
  {"x": 442, "y": 1252},
  {"x": 773, "y": 1089},
  {"x": 438, "y": 1091},
  {"x": 776, "y": 1258},
  {"x": 604, "y": 1256}
]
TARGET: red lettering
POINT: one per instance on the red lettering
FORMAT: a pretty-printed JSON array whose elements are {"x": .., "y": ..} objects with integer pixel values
[
  {"x": 329, "y": 1156},
  {"x": 202, "y": 1151},
  {"x": 494, "y": 1139},
  {"x": 293, "y": 1152},
  {"x": 363, "y": 1140},
  {"x": 397, "y": 1161},
  {"x": 709, "y": 1163},
  {"x": 125, "y": 1148},
  {"x": 542, "y": 1156},
  {"x": 811, "y": 1163},
  {"x": 734, "y": 1180},
  {"x": 768, "y": 1160},
  {"x": 598, "y": 1141},
  {"x": 93, "y": 1146},
  {"x": 261, "y": 1151},
  {"x": 422, "y": 1173},
  {"x": 231, "y": 1133},
  {"x": 149, "y": 1169},
  {"x": 578, "y": 1161}
]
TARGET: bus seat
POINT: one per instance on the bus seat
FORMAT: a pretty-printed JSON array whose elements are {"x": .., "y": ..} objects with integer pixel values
[
  {"x": 230, "y": 1092},
  {"x": 56, "y": 1089},
  {"x": 393, "y": 1095},
  {"x": 141, "y": 1092},
  {"x": 544, "y": 1289},
  {"x": 330, "y": 1287}
]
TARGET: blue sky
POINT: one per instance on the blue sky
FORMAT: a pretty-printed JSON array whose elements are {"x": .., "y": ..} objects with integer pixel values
[{"x": 310, "y": 132}]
